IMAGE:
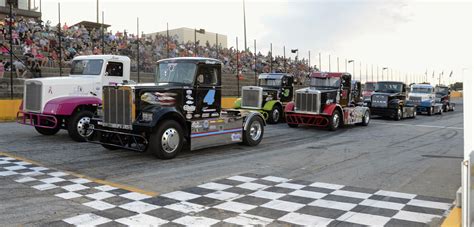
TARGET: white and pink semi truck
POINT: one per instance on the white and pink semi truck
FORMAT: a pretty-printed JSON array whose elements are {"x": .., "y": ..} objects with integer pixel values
[{"x": 55, "y": 103}]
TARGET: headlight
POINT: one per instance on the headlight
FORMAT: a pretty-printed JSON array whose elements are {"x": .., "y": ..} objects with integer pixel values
[
  {"x": 269, "y": 98},
  {"x": 100, "y": 112},
  {"x": 147, "y": 116},
  {"x": 329, "y": 101}
]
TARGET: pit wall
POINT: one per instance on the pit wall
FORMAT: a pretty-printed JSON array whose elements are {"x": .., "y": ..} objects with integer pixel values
[{"x": 9, "y": 108}]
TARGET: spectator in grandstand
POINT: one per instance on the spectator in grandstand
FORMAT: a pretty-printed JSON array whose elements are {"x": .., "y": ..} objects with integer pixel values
[{"x": 20, "y": 69}]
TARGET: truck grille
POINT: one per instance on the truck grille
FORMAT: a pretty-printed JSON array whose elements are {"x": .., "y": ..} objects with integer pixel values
[
  {"x": 416, "y": 100},
  {"x": 380, "y": 101},
  {"x": 307, "y": 101},
  {"x": 118, "y": 107},
  {"x": 33, "y": 96},
  {"x": 252, "y": 97}
]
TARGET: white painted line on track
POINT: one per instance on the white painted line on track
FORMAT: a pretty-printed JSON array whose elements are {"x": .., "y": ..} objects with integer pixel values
[{"x": 423, "y": 126}]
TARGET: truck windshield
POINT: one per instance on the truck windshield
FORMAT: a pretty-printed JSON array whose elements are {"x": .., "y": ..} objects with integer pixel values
[
  {"x": 388, "y": 87},
  {"x": 86, "y": 67},
  {"x": 182, "y": 73},
  {"x": 270, "y": 82},
  {"x": 442, "y": 90},
  {"x": 369, "y": 87},
  {"x": 328, "y": 83},
  {"x": 421, "y": 90}
]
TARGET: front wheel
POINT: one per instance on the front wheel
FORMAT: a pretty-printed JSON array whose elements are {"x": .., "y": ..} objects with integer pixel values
[
  {"x": 399, "y": 114},
  {"x": 335, "y": 121},
  {"x": 274, "y": 115},
  {"x": 430, "y": 111},
  {"x": 47, "y": 131},
  {"x": 253, "y": 135},
  {"x": 167, "y": 141},
  {"x": 366, "y": 118},
  {"x": 78, "y": 126}
]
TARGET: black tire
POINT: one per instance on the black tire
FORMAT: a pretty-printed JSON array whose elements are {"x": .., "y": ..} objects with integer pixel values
[
  {"x": 430, "y": 111},
  {"x": 366, "y": 118},
  {"x": 446, "y": 108},
  {"x": 76, "y": 124},
  {"x": 274, "y": 115},
  {"x": 163, "y": 142},
  {"x": 293, "y": 125},
  {"x": 335, "y": 121},
  {"x": 47, "y": 131},
  {"x": 253, "y": 135},
  {"x": 399, "y": 114},
  {"x": 110, "y": 147}
]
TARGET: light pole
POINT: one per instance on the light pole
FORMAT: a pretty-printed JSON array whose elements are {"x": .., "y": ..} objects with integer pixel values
[
  {"x": 293, "y": 51},
  {"x": 320, "y": 66},
  {"x": 255, "y": 56},
  {"x": 329, "y": 63},
  {"x": 245, "y": 27},
  {"x": 353, "y": 67},
  {"x": 201, "y": 31},
  {"x": 385, "y": 68}
]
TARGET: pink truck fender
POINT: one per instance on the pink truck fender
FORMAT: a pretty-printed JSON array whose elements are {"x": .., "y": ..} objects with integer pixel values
[
  {"x": 65, "y": 106},
  {"x": 63, "y": 109}
]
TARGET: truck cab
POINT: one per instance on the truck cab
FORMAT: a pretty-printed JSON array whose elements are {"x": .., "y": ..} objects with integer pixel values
[
  {"x": 182, "y": 106},
  {"x": 424, "y": 98},
  {"x": 369, "y": 89},
  {"x": 390, "y": 99},
  {"x": 331, "y": 101},
  {"x": 443, "y": 96},
  {"x": 270, "y": 97},
  {"x": 51, "y": 104}
]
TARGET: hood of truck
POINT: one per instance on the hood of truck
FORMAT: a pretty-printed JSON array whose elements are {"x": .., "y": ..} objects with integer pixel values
[{"x": 38, "y": 92}]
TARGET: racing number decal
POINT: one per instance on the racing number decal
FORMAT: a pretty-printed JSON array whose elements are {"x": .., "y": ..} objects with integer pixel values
[{"x": 210, "y": 97}]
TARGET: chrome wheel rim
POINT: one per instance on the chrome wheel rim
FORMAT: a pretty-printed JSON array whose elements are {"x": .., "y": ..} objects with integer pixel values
[
  {"x": 399, "y": 114},
  {"x": 367, "y": 118},
  {"x": 84, "y": 128},
  {"x": 170, "y": 140},
  {"x": 276, "y": 115},
  {"x": 335, "y": 120},
  {"x": 255, "y": 130}
]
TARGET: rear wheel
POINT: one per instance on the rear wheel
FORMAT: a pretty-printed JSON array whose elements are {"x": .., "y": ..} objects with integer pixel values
[
  {"x": 335, "y": 121},
  {"x": 167, "y": 141},
  {"x": 78, "y": 126},
  {"x": 253, "y": 135},
  {"x": 274, "y": 115},
  {"x": 47, "y": 131}
]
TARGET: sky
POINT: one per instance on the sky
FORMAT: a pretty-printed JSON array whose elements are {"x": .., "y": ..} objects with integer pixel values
[{"x": 407, "y": 37}]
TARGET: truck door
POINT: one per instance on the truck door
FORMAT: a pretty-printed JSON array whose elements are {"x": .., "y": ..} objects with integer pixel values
[
  {"x": 286, "y": 94},
  {"x": 113, "y": 73},
  {"x": 208, "y": 91},
  {"x": 345, "y": 92}
]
